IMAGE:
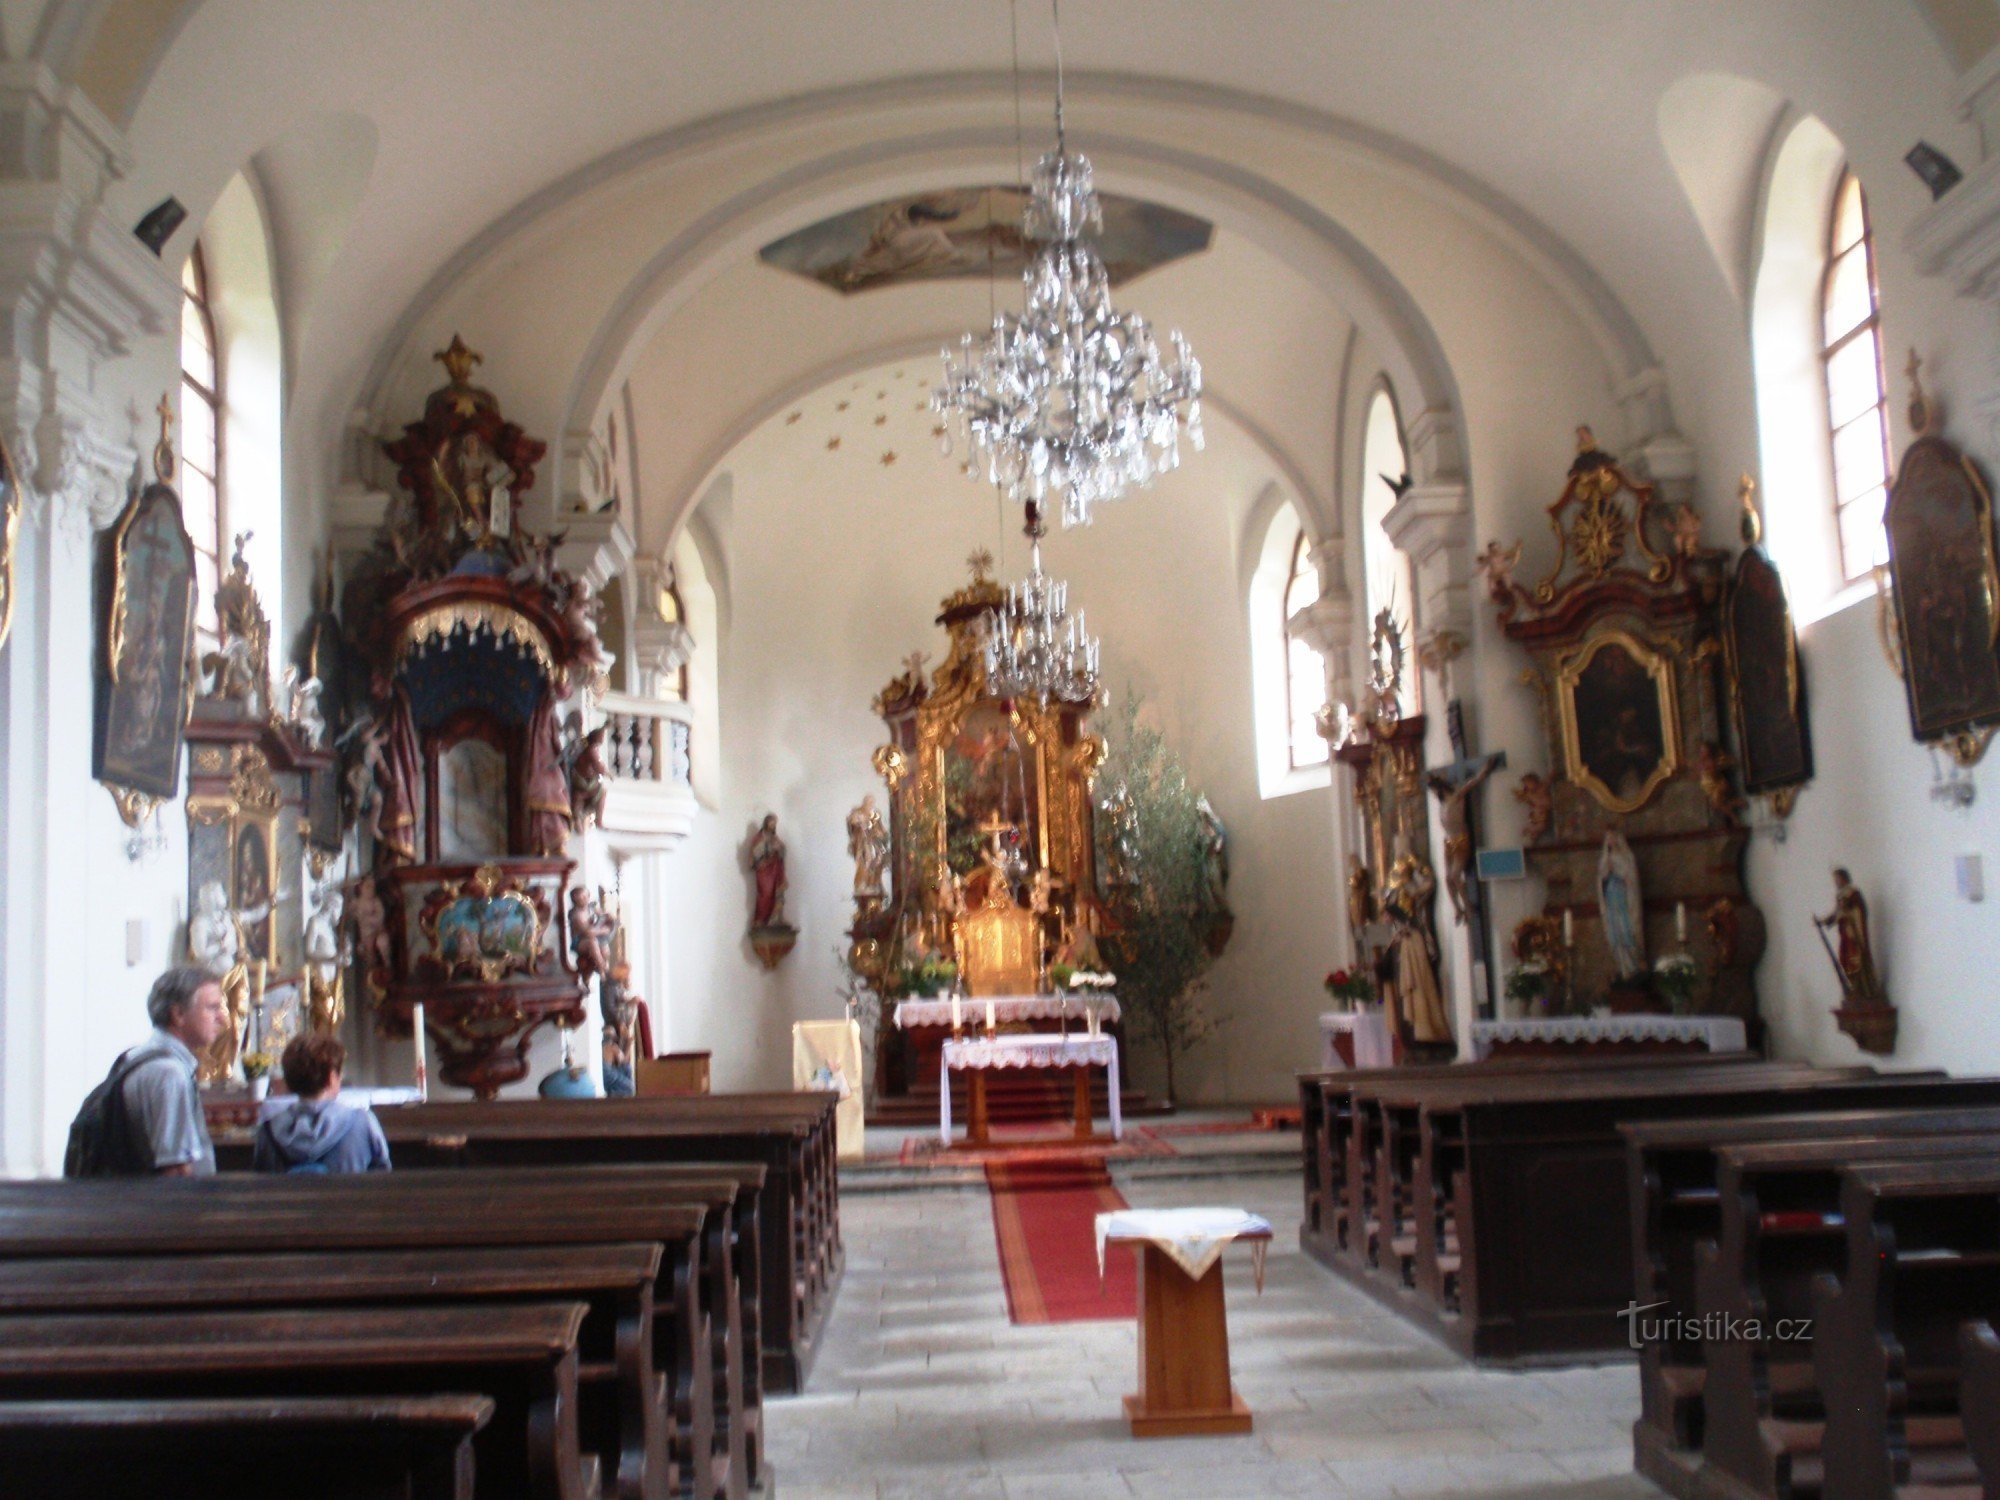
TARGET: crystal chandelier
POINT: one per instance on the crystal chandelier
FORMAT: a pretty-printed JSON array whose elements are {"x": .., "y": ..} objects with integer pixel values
[
  {"x": 1033, "y": 648},
  {"x": 1072, "y": 397}
]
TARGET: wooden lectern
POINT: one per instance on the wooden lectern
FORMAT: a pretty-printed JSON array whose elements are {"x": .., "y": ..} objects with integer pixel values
[{"x": 1184, "y": 1388}]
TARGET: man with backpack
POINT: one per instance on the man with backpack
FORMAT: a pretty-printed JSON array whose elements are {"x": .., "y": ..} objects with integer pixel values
[
  {"x": 146, "y": 1119},
  {"x": 316, "y": 1132}
]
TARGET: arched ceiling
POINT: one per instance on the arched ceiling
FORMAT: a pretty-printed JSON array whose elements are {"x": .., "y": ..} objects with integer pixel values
[{"x": 1540, "y": 115}]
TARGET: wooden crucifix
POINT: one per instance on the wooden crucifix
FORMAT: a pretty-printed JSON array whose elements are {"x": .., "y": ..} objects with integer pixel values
[{"x": 1454, "y": 786}]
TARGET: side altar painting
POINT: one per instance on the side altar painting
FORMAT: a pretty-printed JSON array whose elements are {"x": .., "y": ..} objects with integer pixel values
[
  {"x": 1637, "y": 832},
  {"x": 1002, "y": 880}
]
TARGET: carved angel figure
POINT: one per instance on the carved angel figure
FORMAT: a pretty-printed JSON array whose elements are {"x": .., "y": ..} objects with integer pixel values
[
  {"x": 1711, "y": 769},
  {"x": 302, "y": 709},
  {"x": 1498, "y": 564},
  {"x": 1539, "y": 798}
]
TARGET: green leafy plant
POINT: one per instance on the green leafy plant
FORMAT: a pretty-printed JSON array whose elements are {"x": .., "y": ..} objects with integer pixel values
[
  {"x": 1160, "y": 951},
  {"x": 1528, "y": 983},
  {"x": 1675, "y": 978},
  {"x": 258, "y": 1064},
  {"x": 929, "y": 977}
]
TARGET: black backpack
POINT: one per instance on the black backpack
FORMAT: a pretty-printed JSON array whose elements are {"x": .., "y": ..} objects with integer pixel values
[{"x": 100, "y": 1138}]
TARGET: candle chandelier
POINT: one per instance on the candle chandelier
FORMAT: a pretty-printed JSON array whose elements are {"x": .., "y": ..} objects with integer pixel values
[
  {"x": 1071, "y": 398},
  {"x": 1033, "y": 648}
]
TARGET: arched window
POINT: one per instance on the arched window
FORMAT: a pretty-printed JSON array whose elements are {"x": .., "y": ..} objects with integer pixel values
[
  {"x": 1385, "y": 464},
  {"x": 1305, "y": 674},
  {"x": 1856, "y": 392},
  {"x": 1287, "y": 676},
  {"x": 201, "y": 432}
]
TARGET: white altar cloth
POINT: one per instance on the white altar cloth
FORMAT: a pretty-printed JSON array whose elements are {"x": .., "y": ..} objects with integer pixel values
[
  {"x": 1369, "y": 1030},
  {"x": 1007, "y": 1010},
  {"x": 1717, "y": 1033},
  {"x": 1042, "y": 1049},
  {"x": 1192, "y": 1238}
]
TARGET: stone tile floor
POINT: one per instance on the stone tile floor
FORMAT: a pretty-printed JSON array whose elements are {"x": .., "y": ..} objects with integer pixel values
[{"x": 925, "y": 1389}]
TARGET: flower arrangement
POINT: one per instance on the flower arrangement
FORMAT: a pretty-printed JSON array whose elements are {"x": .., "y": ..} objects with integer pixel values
[
  {"x": 1675, "y": 977},
  {"x": 258, "y": 1064},
  {"x": 1073, "y": 979},
  {"x": 1352, "y": 986},
  {"x": 1528, "y": 984},
  {"x": 929, "y": 977}
]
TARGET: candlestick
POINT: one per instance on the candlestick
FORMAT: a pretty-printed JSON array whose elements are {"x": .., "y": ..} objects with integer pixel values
[
  {"x": 417, "y": 1039},
  {"x": 1569, "y": 928},
  {"x": 1680, "y": 922}
]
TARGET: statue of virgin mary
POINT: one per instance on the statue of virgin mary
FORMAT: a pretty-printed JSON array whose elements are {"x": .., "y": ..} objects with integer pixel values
[{"x": 1623, "y": 905}]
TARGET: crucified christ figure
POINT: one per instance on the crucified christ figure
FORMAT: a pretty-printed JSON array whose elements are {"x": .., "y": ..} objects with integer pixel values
[{"x": 1454, "y": 812}]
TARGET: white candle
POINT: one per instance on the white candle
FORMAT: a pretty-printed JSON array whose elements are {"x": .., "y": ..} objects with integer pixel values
[
  {"x": 989, "y": 1013},
  {"x": 1569, "y": 928},
  {"x": 957, "y": 1020},
  {"x": 417, "y": 1043},
  {"x": 1680, "y": 921}
]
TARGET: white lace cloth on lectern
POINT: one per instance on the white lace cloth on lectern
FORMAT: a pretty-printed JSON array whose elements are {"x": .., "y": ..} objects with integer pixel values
[
  {"x": 1717, "y": 1033},
  {"x": 1192, "y": 1238},
  {"x": 1007, "y": 1010}
]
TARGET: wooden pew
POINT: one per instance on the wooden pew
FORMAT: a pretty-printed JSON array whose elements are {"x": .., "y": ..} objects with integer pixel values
[
  {"x": 244, "y": 1448},
  {"x": 1979, "y": 1399},
  {"x": 790, "y": 1134},
  {"x": 414, "y": 1211},
  {"x": 1674, "y": 1198},
  {"x": 1923, "y": 1258},
  {"x": 1781, "y": 1230},
  {"x": 615, "y": 1282},
  {"x": 524, "y": 1357},
  {"x": 1537, "y": 1194}
]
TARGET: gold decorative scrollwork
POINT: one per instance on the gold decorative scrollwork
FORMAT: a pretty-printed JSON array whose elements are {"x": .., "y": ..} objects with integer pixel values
[
  {"x": 133, "y": 807},
  {"x": 436, "y": 625}
]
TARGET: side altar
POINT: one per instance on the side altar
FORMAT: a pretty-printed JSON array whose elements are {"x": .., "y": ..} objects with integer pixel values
[{"x": 984, "y": 883}]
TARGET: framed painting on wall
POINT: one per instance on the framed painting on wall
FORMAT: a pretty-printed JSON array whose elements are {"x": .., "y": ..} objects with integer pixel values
[
  {"x": 1946, "y": 583},
  {"x": 1620, "y": 724},
  {"x": 144, "y": 674},
  {"x": 1766, "y": 684}
]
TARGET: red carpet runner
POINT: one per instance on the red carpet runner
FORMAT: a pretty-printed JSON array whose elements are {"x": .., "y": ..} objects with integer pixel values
[{"x": 1044, "y": 1215}]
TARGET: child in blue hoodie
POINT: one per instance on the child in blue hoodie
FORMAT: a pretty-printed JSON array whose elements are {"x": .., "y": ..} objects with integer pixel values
[{"x": 316, "y": 1133}]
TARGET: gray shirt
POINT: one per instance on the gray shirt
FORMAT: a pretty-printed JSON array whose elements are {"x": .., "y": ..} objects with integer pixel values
[{"x": 164, "y": 1106}]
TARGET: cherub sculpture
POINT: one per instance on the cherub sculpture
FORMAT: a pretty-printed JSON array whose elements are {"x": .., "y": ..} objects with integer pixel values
[
  {"x": 1498, "y": 564},
  {"x": 1538, "y": 797},
  {"x": 302, "y": 711}
]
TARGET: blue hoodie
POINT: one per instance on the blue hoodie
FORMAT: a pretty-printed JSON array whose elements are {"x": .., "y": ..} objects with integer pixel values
[{"x": 310, "y": 1135}]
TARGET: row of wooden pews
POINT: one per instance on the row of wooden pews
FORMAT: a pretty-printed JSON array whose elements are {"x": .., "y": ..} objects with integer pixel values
[
  {"x": 1841, "y": 1273},
  {"x": 1488, "y": 1202},
  {"x": 574, "y": 1323}
]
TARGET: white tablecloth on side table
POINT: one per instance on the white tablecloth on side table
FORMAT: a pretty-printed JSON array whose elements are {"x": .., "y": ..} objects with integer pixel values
[
  {"x": 1370, "y": 1031},
  {"x": 1717, "y": 1033},
  {"x": 1042, "y": 1049},
  {"x": 1192, "y": 1238}
]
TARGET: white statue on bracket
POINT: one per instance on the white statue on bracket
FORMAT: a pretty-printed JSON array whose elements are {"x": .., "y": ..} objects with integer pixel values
[{"x": 1623, "y": 905}]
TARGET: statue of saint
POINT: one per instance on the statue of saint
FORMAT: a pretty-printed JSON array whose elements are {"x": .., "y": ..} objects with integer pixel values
[
  {"x": 370, "y": 920},
  {"x": 215, "y": 939},
  {"x": 589, "y": 777},
  {"x": 1406, "y": 899},
  {"x": 1215, "y": 854},
  {"x": 1854, "y": 953},
  {"x": 548, "y": 793},
  {"x": 767, "y": 865},
  {"x": 325, "y": 1004},
  {"x": 589, "y": 927},
  {"x": 1121, "y": 841},
  {"x": 1622, "y": 903},
  {"x": 1360, "y": 902},
  {"x": 868, "y": 846}
]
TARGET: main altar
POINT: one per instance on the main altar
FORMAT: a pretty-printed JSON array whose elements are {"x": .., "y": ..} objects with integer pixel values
[{"x": 984, "y": 905}]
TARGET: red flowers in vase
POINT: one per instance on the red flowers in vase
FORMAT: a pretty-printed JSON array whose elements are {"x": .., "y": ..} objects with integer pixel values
[{"x": 1351, "y": 985}]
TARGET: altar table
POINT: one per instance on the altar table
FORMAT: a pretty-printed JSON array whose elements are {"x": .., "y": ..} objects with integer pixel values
[
  {"x": 1046, "y": 1049},
  {"x": 1008, "y": 1010},
  {"x": 1608, "y": 1033},
  {"x": 1184, "y": 1385},
  {"x": 1355, "y": 1039}
]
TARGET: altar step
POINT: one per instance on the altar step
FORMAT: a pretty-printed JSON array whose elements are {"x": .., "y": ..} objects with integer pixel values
[{"x": 1013, "y": 1097}]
